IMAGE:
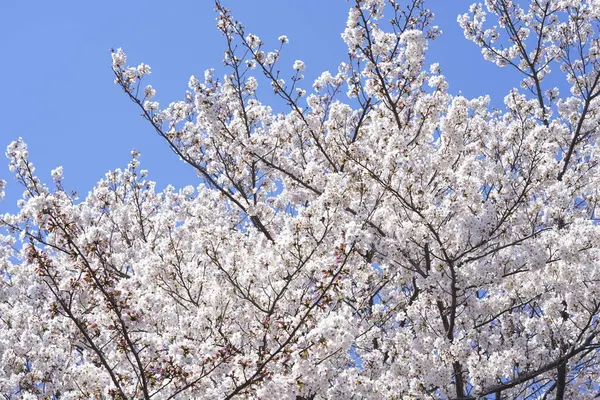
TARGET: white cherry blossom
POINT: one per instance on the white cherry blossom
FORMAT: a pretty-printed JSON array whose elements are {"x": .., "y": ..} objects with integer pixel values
[{"x": 381, "y": 239}]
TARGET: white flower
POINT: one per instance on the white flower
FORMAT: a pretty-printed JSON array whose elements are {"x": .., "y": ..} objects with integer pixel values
[
  {"x": 119, "y": 59},
  {"x": 253, "y": 41},
  {"x": 323, "y": 80},
  {"x": 283, "y": 39},
  {"x": 208, "y": 75},
  {"x": 143, "y": 69},
  {"x": 57, "y": 174},
  {"x": 272, "y": 56},
  {"x": 151, "y": 105},
  {"x": 251, "y": 84},
  {"x": 149, "y": 92},
  {"x": 299, "y": 65}
]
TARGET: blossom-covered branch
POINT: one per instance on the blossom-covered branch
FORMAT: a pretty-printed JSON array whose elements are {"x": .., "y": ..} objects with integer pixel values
[{"x": 380, "y": 239}]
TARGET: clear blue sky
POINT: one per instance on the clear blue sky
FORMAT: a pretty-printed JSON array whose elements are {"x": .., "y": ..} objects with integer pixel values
[{"x": 56, "y": 87}]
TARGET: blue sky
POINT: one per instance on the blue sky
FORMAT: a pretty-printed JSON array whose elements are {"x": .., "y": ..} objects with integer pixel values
[{"x": 56, "y": 82}]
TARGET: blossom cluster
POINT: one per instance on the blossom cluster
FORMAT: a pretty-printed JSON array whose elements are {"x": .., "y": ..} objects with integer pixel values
[{"x": 382, "y": 239}]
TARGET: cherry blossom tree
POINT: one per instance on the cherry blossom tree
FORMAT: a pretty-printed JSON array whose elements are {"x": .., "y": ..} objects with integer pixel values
[{"x": 382, "y": 239}]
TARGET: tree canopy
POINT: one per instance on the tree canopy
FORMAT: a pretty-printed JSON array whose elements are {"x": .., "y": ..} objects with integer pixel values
[{"x": 381, "y": 239}]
